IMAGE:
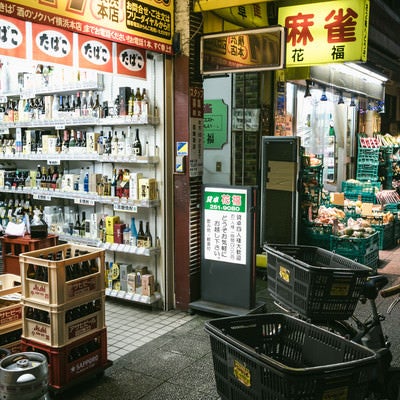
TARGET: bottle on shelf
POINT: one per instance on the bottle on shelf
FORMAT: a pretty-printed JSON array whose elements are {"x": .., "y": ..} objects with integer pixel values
[
  {"x": 114, "y": 144},
  {"x": 145, "y": 104},
  {"x": 82, "y": 227},
  {"x": 97, "y": 109},
  {"x": 78, "y": 105},
  {"x": 81, "y": 180},
  {"x": 113, "y": 187},
  {"x": 137, "y": 102},
  {"x": 141, "y": 237},
  {"x": 86, "y": 180},
  {"x": 77, "y": 225},
  {"x": 148, "y": 242},
  {"x": 65, "y": 142},
  {"x": 137, "y": 145},
  {"x": 55, "y": 107},
  {"x": 130, "y": 103},
  {"x": 84, "y": 105}
]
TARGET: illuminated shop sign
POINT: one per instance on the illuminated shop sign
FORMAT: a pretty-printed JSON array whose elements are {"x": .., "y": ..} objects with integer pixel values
[
  {"x": 225, "y": 231},
  {"x": 207, "y": 5},
  {"x": 328, "y": 32},
  {"x": 249, "y": 50},
  {"x": 146, "y": 24}
]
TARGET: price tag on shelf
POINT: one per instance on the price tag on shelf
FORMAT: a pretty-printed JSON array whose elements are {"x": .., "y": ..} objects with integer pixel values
[
  {"x": 136, "y": 297},
  {"x": 125, "y": 207},
  {"x": 114, "y": 293},
  {"x": 121, "y": 294},
  {"x": 59, "y": 126},
  {"x": 84, "y": 202},
  {"x": 45, "y": 197},
  {"x": 4, "y": 131},
  {"x": 53, "y": 161},
  {"x": 129, "y": 296}
]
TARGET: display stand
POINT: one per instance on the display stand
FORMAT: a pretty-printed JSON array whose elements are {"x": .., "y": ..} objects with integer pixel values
[{"x": 228, "y": 253}]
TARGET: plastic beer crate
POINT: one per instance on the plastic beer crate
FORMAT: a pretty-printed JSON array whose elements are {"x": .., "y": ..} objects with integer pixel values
[
  {"x": 10, "y": 338},
  {"x": 10, "y": 284},
  {"x": 10, "y": 306},
  {"x": 279, "y": 357},
  {"x": 10, "y": 313},
  {"x": 52, "y": 325},
  {"x": 314, "y": 282},
  {"x": 57, "y": 289},
  {"x": 75, "y": 361}
]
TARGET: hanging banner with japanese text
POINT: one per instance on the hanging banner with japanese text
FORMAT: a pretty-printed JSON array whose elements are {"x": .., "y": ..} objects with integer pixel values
[
  {"x": 147, "y": 24},
  {"x": 51, "y": 45},
  {"x": 12, "y": 37},
  {"x": 95, "y": 54},
  {"x": 328, "y": 32},
  {"x": 225, "y": 225},
  {"x": 131, "y": 61}
]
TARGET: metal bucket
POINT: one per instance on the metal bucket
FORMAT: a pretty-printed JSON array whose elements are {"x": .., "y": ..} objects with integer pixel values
[{"x": 23, "y": 376}]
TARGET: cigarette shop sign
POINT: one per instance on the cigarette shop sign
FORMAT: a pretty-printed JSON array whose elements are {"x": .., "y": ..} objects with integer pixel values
[
  {"x": 147, "y": 24},
  {"x": 326, "y": 32}
]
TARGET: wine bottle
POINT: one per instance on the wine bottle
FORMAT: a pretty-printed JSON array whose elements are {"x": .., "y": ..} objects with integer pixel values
[{"x": 137, "y": 145}]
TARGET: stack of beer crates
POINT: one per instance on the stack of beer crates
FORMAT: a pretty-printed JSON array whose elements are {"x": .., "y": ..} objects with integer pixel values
[
  {"x": 63, "y": 306},
  {"x": 10, "y": 313}
]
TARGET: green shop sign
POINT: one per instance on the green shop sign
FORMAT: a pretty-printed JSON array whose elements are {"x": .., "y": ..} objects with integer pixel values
[{"x": 215, "y": 124}]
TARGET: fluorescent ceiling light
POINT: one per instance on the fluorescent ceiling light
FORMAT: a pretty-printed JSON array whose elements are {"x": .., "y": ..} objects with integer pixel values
[{"x": 366, "y": 71}]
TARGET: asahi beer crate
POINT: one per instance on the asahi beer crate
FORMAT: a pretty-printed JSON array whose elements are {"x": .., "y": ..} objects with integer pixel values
[
  {"x": 10, "y": 313},
  {"x": 9, "y": 284},
  {"x": 80, "y": 359},
  {"x": 58, "y": 326},
  {"x": 63, "y": 273},
  {"x": 10, "y": 338}
]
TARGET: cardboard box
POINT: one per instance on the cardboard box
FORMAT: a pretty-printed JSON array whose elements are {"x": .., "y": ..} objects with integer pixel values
[
  {"x": 109, "y": 238},
  {"x": 147, "y": 189},
  {"x": 148, "y": 285},
  {"x": 94, "y": 181},
  {"x": 131, "y": 282},
  {"x": 111, "y": 220},
  {"x": 67, "y": 182},
  {"x": 124, "y": 271},
  {"x": 119, "y": 233},
  {"x": 134, "y": 185}
]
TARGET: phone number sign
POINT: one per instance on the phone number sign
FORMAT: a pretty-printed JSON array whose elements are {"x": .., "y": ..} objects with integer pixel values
[{"x": 225, "y": 230}]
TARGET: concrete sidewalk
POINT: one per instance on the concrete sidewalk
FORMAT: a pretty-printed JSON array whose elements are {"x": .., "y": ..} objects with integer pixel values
[{"x": 178, "y": 365}]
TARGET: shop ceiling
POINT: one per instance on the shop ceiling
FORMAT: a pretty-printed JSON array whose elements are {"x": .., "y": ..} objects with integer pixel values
[{"x": 383, "y": 54}]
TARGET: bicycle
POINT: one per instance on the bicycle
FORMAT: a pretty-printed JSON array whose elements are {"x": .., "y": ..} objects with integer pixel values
[{"x": 369, "y": 332}]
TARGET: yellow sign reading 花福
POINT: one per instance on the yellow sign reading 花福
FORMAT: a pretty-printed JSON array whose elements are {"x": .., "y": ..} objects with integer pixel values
[{"x": 328, "y": 32}]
